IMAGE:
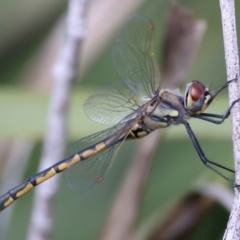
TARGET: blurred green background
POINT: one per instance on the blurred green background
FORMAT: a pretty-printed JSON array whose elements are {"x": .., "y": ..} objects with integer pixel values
[{"x": 176, "y": 170}]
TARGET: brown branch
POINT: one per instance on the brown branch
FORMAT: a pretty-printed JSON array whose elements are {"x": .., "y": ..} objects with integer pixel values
[
  {"x": 185, "y": 217},
  {"x": 232, "y": 65}
]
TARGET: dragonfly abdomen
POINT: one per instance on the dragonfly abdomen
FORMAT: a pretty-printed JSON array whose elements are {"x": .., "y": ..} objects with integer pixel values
[
  {"x": 15, "y": 193},
  {"x": 12, "y": 195},
  {"x": 91, "y": 151}
]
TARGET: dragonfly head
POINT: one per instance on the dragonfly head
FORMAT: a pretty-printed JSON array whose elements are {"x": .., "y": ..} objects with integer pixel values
[{"x": 197, "y": 97}]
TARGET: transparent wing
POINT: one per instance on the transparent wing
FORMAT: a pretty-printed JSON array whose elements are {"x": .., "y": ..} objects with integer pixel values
[
  {"x": 133, "y": 56},
  {"x": 84, "y": 175},
  {"x": 111, "y": 103}
]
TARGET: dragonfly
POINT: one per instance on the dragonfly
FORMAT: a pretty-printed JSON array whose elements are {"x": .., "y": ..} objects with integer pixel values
[{"x": 135, "y": 106}]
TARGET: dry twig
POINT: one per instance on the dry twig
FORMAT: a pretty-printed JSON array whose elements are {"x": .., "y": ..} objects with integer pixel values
[{"x": 232, "y": 65}]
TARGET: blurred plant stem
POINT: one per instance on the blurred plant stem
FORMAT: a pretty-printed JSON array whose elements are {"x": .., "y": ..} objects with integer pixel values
[
  {"x": 232, "y": 65},
  {"x": 56, "y": 134}
]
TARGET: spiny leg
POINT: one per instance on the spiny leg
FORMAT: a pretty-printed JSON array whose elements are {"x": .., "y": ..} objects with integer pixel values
[
  {"x": 209, "y": 116},
  {"x": 222, "y": 88},
  {"x": 202, "y": 156}
]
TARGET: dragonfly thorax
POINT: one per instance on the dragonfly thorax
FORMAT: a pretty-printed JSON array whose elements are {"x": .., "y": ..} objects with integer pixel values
[
  {"x": 167, "y": 110},
  {"x": 197, "y": 97}
]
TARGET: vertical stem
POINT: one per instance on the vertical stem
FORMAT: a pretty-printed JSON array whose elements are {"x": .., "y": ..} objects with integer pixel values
[{"x": 232, "y": 66}]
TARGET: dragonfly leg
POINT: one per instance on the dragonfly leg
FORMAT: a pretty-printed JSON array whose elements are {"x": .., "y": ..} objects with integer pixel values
[
  {"x": 222, "y": 88},
  {"x": 208, "y": 163},
  {"x": 209, "y": 117}
]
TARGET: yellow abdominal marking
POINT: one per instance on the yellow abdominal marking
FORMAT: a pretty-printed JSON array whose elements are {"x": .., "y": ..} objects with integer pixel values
[
  {"x": 49, "y": 174},
  {"x": 76, "y": 159},
  {"x": 88, "y": 153},
  {"x": 8, "y": 202},
  {"x": 23, "y": 191},
  {"x": 63, "y": 166}
]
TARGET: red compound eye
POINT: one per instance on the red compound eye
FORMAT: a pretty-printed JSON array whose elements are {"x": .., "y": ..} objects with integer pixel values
[{"x": 196, "y": 90}]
